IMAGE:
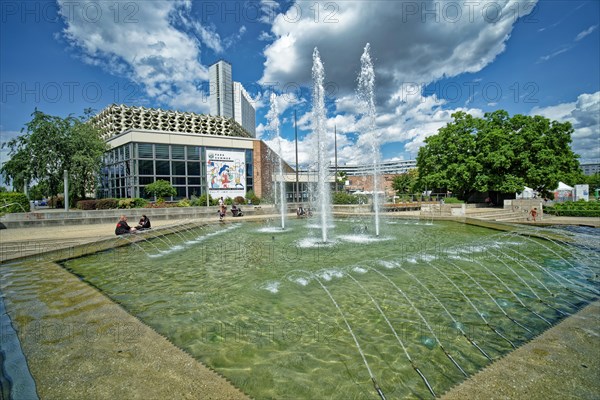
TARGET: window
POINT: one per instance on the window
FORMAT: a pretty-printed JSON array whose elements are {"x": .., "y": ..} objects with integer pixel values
[
  {"x": 193, "y": 153},
  {"x": 193, "y": 181},
  {"x": 146, "y": 167},
  {"x": 178, "y": 168},
  {"x": 146, "y": 180},
  {"x": 178, "y": 180},
  {"x": 178, "y": 152},
  {"x": 195, "y": 191},
  {"x": 162, "y": 151},
  {"x": 145, "y": 150},
  {"x": 193, "y": 168},
  {"x": 163, "y": 168}
]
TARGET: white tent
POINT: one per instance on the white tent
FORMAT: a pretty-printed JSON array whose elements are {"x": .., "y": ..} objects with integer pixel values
[
  {"x": 527, "y": 193},
  {"x": 563, "y": 192},
  {"x": 563, "y": 186}
]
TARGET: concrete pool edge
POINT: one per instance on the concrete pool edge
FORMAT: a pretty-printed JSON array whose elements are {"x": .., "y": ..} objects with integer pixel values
[
  {"x": 545, "y": 367},
  {"x": 102, "y": 351}
]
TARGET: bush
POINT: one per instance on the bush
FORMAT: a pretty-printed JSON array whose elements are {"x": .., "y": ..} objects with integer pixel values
[
  {"x": 453, "y": 200},
  {"x": 138, "y": 202},
  {"x": 228, "y": 201},
  {"x": 344, "y": 198},
  {"x": 252, "y": 197},
  {"x": 160, "y": 189},
  {"x": 575, "y": 209},
  {"x": 239, "y": 200},
  {"x": 18, "y": 202},
  {"x": 184, "y": 203},
  {"x": 126, "y": 203},
  {"x": 86, "y": 204},
  {"x": 107, "y": 204},
  {"x": 201, "y": 201}
]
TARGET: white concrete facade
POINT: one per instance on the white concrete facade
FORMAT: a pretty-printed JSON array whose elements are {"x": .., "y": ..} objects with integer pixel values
[{"x": 221, "y": 89}]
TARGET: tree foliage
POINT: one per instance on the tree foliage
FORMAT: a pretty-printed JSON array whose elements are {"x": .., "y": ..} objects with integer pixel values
[
  {"x": 49, "y": 145},
  {"x": 160, "y": 189},
  {"x": 406, "y": 182},
  {"x": 498, "y": 153}
]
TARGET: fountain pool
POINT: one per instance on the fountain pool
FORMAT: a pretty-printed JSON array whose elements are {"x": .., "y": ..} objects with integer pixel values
[{"x": 283, "y": 315}]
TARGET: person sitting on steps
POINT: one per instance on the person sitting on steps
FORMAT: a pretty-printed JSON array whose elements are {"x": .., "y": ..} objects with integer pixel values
[
  {"x": 143, "y": 224},
  {"x": 123, "y": 227}
]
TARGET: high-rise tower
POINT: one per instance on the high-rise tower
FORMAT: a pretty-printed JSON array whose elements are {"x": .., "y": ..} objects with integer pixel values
[{"x": 229, "y": 99}]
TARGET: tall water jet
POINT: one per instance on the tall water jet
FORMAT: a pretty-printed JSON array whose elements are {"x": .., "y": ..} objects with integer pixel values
[
  {"x": 273, "y": 121},
  {"x": 366, "y": 97},
  {"x": 323, "y": 195}
]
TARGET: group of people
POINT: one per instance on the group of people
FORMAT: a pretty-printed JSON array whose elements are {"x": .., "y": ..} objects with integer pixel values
[
  {"x": 235, "y": 210},
  {"x": 123, "y": 227},
  {"x": 302, "y": 213}
]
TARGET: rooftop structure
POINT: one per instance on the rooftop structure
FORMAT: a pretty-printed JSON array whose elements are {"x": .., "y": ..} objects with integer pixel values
[{"x": 116, "y": 119}]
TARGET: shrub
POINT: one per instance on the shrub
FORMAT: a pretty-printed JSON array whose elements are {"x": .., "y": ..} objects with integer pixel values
[
  {"x": 139, "y": 202},
  {"x": 228, "y": 201},
  {"x": 252, "y": 197},
  {"x": 126, "y": 203},
  {"x": 453, "y": 200},
  {"x": 107, "y": 204},
  {"x": 575, "y": 209},
  {"x": 201, "y": 201},
  {"x": 86, "y": 204},
  {"x": 160, "y": 189},
  {"x": 239, "y": 200},
  {"x": 18, "y": 202},
  {"x": 344, "y": 198},
  {"x": 184, "y": 203}
]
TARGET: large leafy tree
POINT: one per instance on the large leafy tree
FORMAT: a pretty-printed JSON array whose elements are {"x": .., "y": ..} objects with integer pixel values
[
  {"x": 49, "y": 145},
  {"x": 448, "y": 161},
  {"x": 499, "y": 154}
]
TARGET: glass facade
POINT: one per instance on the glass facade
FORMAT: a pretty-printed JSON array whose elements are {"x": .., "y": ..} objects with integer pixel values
[{"x": 129, "y": 168}]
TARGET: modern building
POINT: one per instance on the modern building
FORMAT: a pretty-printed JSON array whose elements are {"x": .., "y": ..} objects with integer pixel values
[
  {"x": 590, "y": 168},
  {"x": 195, "y": 153},
  {"x": 243, "y": 110},
  {"x": 384, "y": 168},
  {"x": 229, "y": 99},
  {"x": 221, "y": 89}
]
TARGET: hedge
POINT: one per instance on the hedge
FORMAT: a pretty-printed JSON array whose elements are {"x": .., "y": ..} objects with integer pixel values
[
  {"x": 19, "y": 202},
  {"x": 575, "y": 209}
]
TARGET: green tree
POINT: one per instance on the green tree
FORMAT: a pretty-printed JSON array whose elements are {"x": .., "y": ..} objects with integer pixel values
[
  {"x": 160, "y": 189},
  {"x": 499, "y": 154},
  {"x": 49, "y": 145},
  {"x": 448, "y": 160},
  {"x": 406, "y": 182}
]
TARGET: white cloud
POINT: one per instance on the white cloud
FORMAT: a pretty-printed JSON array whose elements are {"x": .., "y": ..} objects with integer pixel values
[
  {"x": 584, "y": 115},
  {"x": 588, "y": 31},
  {"x": 408, "y": 43},
  {"x": 144, "y": 45}
]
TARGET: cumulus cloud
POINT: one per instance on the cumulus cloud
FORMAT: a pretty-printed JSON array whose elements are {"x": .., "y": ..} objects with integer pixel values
[
  {"x": 143, "y": 44},
  {"x": 584, "y": 115},
  {"x": 410, "y": 41}
]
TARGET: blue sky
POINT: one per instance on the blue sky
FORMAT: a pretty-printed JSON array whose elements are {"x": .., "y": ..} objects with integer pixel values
[{"x": 431, "y": 58}]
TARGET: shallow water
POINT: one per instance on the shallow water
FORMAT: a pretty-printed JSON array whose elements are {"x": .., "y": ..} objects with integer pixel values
[{"x": 277, "y": 312}]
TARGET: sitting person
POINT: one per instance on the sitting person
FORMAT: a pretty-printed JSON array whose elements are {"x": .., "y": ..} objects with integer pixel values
[
  {"x": 235, "y": 211},
  {"x": 123, "y": 227},
  {"x": 143, "y": 224},
  {"x": 300, "y": 212},
  {"x": 222, "y": 211}
]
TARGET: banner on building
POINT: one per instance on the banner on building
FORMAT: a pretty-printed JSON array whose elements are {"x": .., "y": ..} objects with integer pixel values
[{"x": 226, "y": 173}]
